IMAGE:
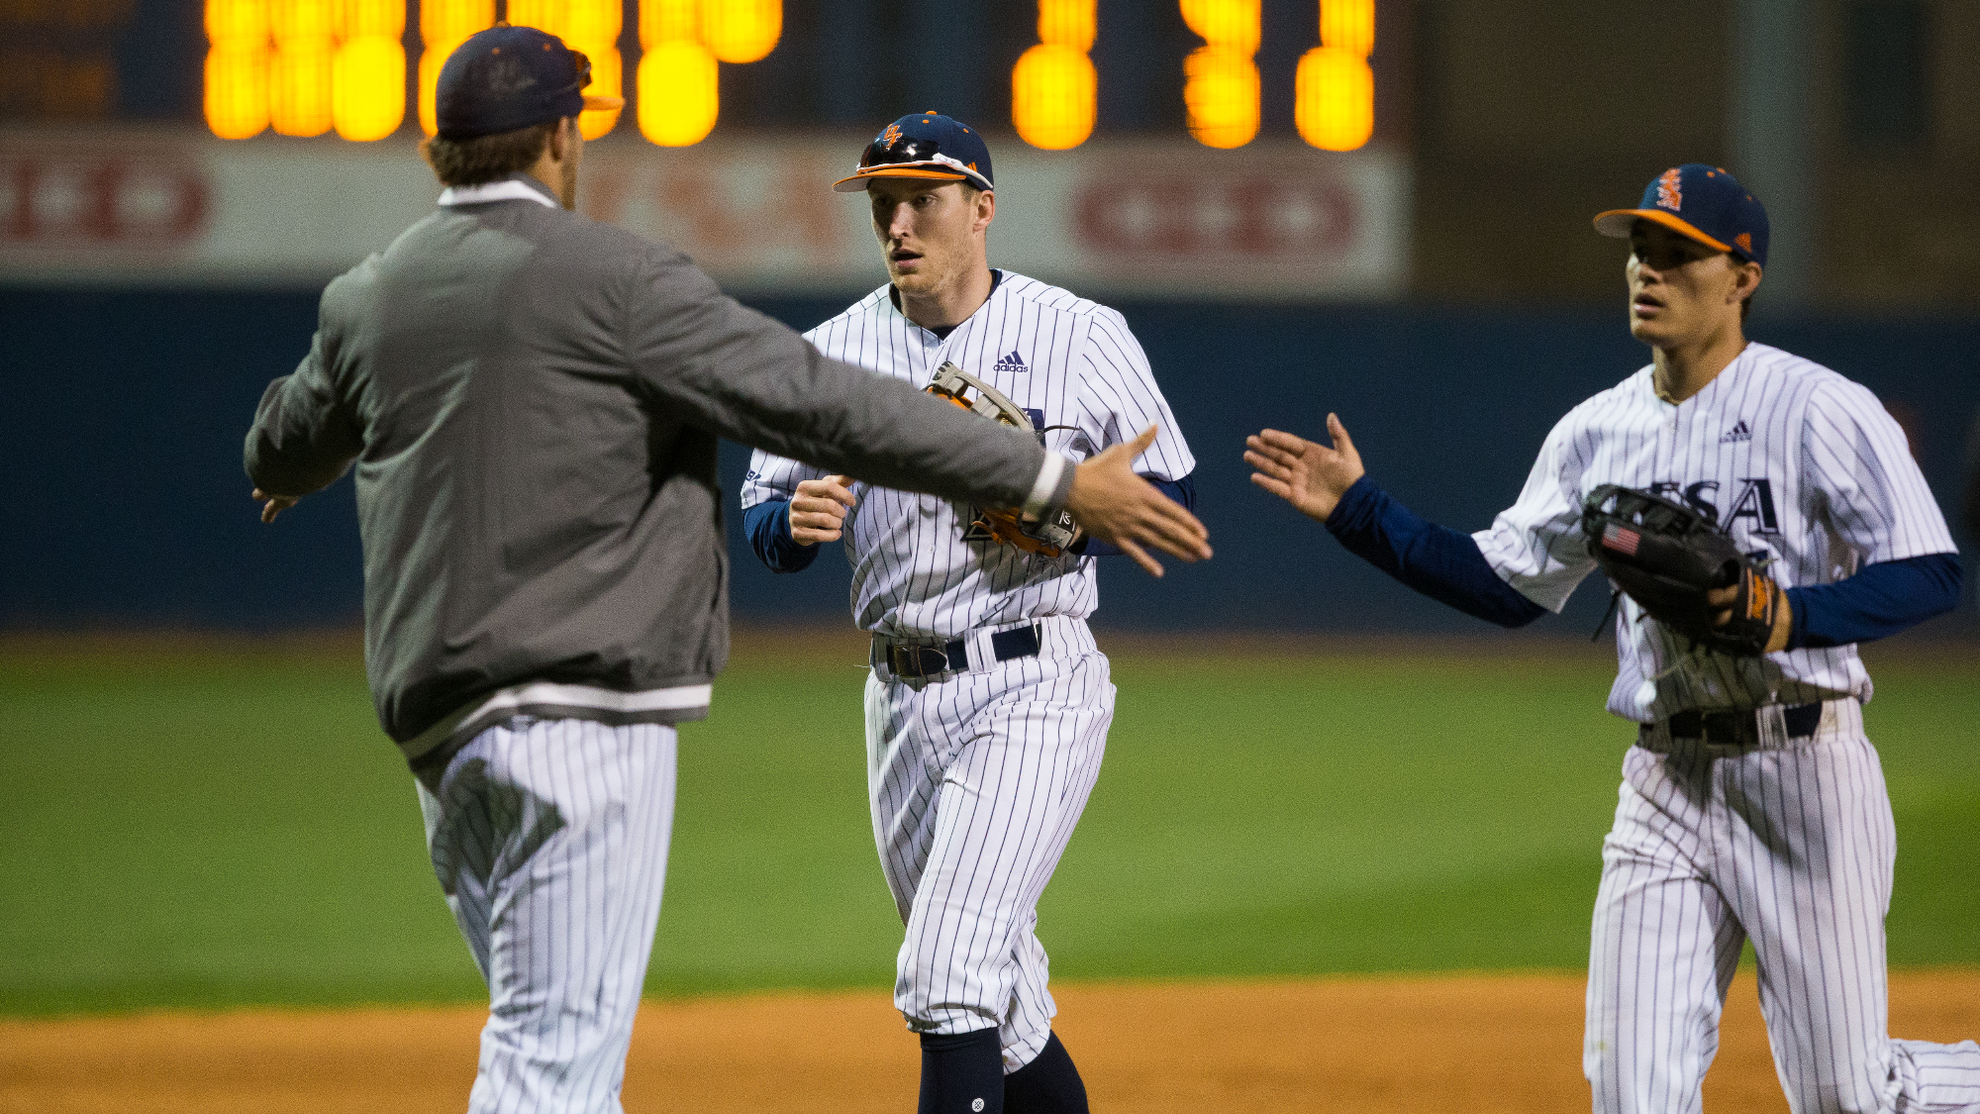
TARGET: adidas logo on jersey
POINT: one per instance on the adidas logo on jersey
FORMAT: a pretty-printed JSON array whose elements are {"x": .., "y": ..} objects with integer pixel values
[
  {"x": 1012, "y": 362},
  {"x": 1738, "y": 432}
]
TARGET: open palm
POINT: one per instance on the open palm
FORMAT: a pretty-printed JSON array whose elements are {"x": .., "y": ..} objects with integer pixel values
[{"x": 1307, "y": 474}]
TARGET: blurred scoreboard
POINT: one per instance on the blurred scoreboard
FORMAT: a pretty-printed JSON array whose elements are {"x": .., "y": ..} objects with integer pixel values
[
  {"x": 234, "y": 142},
  {"x": 317, "y": 67}
]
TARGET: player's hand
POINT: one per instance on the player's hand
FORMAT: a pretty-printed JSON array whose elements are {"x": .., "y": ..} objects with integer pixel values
[
  {"x": 818, "y": 509},
  {"x": 272, "y": 505},
  {"x": 1113, "y": 504},
  {"x": 1723, "y": 600},
  {"x": 1307, "y": 474}
]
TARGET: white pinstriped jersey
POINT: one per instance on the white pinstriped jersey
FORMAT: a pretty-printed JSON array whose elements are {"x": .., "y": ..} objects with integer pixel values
[
  {"x": 1797, "y": 461},
  {"x": 1060, "y": 356}
]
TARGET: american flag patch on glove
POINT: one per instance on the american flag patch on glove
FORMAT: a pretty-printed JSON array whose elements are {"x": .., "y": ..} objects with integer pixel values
[{"x": 1621, "y": 540}]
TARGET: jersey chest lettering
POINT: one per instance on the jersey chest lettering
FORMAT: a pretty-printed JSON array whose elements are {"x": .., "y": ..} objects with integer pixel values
[{"x": 1753, "y": 502}]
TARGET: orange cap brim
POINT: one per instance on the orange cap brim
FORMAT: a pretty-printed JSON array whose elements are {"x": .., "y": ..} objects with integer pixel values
[
  {"x": 858, "y": 181},
  {"x": 603, "y": 104},
  {"x": 1619, "y": 222}
]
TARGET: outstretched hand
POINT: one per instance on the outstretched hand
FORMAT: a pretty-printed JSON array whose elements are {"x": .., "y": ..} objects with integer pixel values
[
  {"x": 272, "y": 505},
  {"x": 1113, "y": 504},
  {"x": 1307, "y": 474}
]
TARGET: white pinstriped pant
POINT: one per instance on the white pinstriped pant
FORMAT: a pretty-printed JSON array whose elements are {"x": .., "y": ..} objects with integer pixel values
[
  {"x": 976, "y": 783},
  {"x": 1793, "y": 847},
  {"x": 549, "y": 838}
]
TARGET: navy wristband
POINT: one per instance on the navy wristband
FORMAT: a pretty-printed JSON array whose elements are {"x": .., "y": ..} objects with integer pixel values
[{"x": 768, "y": 526}]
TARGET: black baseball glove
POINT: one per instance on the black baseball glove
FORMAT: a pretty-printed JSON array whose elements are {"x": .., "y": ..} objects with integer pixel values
[{"x": 1667, "y": 556}]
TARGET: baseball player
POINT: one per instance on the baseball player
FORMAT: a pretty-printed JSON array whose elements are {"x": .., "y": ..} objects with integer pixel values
[
  {"x": 987, "y": 705},
  {"x": 1752, "y": 805},
  {"x": 531, "y": 401}
]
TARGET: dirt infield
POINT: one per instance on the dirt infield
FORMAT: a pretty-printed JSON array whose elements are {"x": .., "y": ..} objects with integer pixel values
[{"x": 1477, "y": 1043}]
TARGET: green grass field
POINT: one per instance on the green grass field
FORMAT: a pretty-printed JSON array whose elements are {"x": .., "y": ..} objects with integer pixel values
[{"x": 220, "y": 824}]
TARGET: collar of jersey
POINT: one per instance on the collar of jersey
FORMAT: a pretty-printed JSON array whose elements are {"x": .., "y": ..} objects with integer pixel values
[
  {"x": 894, "y": 299},
  {"x": 1738, "y": 364},
  {"x": 519, "y": 188}
]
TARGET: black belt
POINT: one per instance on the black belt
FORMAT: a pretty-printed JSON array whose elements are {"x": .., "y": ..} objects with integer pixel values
[
  {"x": 1741, "y": 728},
  {"x": 922, "y": 659}
]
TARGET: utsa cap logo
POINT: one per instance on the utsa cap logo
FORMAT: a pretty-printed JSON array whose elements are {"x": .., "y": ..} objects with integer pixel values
[
  {"x": 1721, "y": 213},
  {"x": 1670, "y": 190},
  {"x": 925, "y": 145}
]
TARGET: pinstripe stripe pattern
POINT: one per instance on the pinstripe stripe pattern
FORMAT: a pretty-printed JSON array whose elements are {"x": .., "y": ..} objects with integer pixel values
[
  {"x": 976, "y": 782},
  {"x": 1794, "y": 847},
  {"x": 550, "y": 838},
  {"x": 977, "y": 779},
  {"x": 1790, "y": 844},
  {"x": 1796, "y": 460},
  {"x": 913, "y": 576}
]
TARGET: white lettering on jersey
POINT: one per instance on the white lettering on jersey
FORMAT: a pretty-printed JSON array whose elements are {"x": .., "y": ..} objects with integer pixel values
[{"x": 1797, "y": 462}]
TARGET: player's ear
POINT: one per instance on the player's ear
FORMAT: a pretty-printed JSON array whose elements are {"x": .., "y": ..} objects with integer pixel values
[
  {"x": 986, "y": 209},
  {"x": 1746, "y": 279}
]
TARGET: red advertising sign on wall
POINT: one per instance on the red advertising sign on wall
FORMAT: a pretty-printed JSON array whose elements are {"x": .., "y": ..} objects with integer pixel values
[
  {"x": 66, "y": 198},
  {"x": 1145, "y": 218},
  {"x": 1251, "y": 216},
  {"x": 1278, "y": 223}
]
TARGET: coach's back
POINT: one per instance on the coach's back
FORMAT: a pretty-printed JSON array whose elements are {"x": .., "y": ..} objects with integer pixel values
[
  {"x": 530, "y": 508},
  {"x": 532, "y": 400}
]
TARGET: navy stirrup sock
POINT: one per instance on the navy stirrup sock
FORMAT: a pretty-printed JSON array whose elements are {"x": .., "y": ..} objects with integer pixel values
[
  {"x": 962, "y": 1073},
  {"x": 1049, "y": 1084}
]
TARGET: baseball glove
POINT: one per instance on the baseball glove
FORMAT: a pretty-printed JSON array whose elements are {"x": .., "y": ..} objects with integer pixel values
[
  {"x": 1006, "y": 525},
  {"x": 1667, "y": 556}
]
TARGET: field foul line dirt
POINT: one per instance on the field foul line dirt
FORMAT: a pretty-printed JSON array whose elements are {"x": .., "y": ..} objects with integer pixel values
[{"x": 1480, "y": 1043}]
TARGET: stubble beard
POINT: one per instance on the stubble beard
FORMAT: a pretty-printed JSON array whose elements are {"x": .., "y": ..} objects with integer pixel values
[{"x": 927, "y": 281}]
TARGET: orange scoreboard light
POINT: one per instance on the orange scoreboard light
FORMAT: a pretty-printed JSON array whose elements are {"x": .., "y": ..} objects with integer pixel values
[
  {"x": 1054, "y": 90},
  {"x": 1054, "y": 87},
  {"x": 306, "y": 67},
  {"x": 1333, "y": 91},
  {"x": 303, "y": 67}
]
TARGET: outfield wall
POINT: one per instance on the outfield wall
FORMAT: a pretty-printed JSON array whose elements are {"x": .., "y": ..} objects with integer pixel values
[{"x": 124, "y": 503}]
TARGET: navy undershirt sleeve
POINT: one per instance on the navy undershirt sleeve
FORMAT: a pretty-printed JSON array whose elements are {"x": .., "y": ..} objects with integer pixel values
[
  {"x": 1435, "y": 560},
  {"x": 1879, "y": 601},
  {"x": 768, "y": 525},
  {"x": 1182, "y": 491}
]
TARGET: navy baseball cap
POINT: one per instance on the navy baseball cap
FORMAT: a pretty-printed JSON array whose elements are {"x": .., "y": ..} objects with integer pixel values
[
  {"x": 924, "y": 145},
  {"x": 507, "y": 78},
  {"x": 1702, "y": 202}
]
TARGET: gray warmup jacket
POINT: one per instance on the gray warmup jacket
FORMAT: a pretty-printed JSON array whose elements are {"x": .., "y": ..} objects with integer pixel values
[{"x": 533, "y": 400}]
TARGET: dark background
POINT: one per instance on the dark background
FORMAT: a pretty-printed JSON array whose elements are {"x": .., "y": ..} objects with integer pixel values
[{"x": 125, "y": 503}]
